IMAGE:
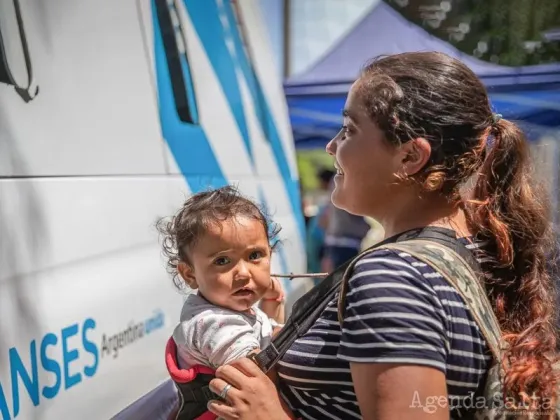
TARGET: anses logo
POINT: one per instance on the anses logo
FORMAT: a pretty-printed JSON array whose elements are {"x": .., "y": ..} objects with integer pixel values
[{"x": 24, "y": 371}]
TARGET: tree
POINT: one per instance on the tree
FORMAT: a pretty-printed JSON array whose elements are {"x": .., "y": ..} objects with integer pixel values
[{"x": 508, "y": 32}]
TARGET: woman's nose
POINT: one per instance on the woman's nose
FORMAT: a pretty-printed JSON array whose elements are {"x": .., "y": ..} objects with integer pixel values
[{"x": 331, "y": 146}]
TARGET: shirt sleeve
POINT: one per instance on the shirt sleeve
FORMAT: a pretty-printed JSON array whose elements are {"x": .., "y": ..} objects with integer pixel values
[
  {"x": 223, "y": 337},
  {"x": 392, "y": 315}
]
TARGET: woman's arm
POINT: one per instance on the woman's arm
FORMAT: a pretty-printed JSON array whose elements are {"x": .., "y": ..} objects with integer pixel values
[
  {"x": 394, "y": 336},
  {"x": 395, "y": 392}
]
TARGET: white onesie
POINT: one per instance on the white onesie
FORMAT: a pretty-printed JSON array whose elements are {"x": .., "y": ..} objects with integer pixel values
[{"x": 213, "y": 336}]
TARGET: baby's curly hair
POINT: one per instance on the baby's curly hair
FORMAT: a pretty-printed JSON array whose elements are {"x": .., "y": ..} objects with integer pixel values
[{"x": 180, "y": 232}]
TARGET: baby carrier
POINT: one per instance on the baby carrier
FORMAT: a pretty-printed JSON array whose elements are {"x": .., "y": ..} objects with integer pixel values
[
  {"x": 436, "y": 247},
  {"x": 192, "y": 387}
]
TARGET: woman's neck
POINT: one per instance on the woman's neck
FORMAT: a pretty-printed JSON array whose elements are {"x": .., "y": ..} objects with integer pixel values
[{"x": 432, "y": 211}]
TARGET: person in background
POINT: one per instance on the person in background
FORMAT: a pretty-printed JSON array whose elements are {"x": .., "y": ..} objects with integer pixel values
[
  {"x": 315, "y": 241},
  {"x": 343, "y": 237},
  {"x": 306, "y": 218}
]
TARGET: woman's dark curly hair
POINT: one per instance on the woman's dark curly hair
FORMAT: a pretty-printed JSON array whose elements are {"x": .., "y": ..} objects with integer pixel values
[
  {"x": 181, "y": 231},
  {"x": 433, "y": 96}
]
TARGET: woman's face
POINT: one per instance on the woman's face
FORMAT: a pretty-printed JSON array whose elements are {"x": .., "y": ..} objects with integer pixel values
[{"x": 366, "y": 163}]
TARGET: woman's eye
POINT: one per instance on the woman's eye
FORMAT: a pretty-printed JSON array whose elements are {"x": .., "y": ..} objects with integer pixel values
[
  {"x": 221, "y": 261},
  {"x": 348, "y": 129},
  {"x": 345, "y": 131},
  {"x": 255, "y": 255}
]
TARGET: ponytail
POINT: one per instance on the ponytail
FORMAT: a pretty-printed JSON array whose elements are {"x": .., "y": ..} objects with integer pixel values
[{"x": 509, "y": 212}]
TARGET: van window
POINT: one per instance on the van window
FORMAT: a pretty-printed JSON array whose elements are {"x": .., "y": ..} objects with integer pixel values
[
  {"x": 173, "y": 37},
  {"x": 15, "y": 63}
]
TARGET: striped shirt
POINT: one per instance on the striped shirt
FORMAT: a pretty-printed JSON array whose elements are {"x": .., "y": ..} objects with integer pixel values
[{"x": 398, "y": 310}]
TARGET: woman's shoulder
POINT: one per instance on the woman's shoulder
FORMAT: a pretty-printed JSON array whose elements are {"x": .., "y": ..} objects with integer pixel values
[
  {"x": 401, "y": 267},
  {"x": 396, "y": 278},
  {"x": 399, "y": 282},
  {"x": 404, "y": 300},
  {"x": 389, "y": 265}
]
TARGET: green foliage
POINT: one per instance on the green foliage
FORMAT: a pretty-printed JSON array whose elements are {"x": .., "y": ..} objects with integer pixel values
[
  {"x": 511, "y": 31},
  {"x": 309, "y": 163}
]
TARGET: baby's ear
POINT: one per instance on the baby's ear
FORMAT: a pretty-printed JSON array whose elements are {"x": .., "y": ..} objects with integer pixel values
[{"x": 187, "y": 274}]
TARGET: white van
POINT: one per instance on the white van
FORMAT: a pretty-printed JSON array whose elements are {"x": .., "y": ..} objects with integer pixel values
[{"x": 111, "y": 113}]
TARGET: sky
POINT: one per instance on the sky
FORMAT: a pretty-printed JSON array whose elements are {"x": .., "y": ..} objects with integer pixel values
[{"x": 316, "y": 25}]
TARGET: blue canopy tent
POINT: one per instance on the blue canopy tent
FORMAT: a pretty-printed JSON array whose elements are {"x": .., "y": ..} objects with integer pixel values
[{"x": 529, "y": 95}]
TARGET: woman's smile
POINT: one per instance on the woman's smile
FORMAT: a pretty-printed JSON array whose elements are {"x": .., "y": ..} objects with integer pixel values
[{"x": 339, "y": 171}]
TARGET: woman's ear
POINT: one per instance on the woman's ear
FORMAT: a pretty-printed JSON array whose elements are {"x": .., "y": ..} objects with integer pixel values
[
  {"x": 415, "y": 155},
  {"x": 187, "y": 273}
]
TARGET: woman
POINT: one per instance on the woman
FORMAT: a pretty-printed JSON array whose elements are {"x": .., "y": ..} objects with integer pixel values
[{"x": 419, "y": 132}]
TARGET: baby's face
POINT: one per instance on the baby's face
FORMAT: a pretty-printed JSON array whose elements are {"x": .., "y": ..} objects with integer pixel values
[{"x": 230, "y": 264}]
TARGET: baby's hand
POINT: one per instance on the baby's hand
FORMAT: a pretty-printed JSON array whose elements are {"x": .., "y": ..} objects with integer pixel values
[{"x": 275, "y": 291}]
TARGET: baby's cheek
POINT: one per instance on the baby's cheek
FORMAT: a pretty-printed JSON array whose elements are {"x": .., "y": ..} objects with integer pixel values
[{"x": 265, "y": 283}]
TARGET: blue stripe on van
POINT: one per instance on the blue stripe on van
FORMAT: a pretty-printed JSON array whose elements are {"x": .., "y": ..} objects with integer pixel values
[
  {"x": 187, "y": 142},
  {"x": 205, "y": 17},
  {"x": 266, "y": 119}
]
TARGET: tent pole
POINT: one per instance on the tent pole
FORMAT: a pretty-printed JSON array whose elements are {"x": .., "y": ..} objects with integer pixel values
[{"x": 287, "y": 38}]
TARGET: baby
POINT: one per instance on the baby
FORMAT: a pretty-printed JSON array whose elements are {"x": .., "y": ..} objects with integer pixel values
[{"x": 219, "y": 245}]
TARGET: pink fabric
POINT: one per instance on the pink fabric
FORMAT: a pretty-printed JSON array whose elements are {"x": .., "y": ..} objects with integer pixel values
[
  {"x": 185, "y": 375},
  {"x": 181, "y": 375}
]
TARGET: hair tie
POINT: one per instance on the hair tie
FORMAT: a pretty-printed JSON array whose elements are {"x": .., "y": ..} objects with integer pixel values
[{"x": 491, "y": 140}]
